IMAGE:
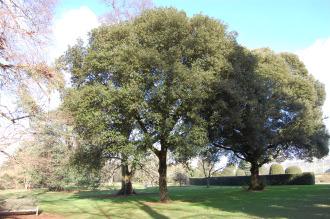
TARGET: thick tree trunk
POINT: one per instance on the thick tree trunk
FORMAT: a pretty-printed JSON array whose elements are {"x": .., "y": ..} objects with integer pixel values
[
  {"x": 255, "y": 182},
  {"x": 126, "y": 183},
  {"x": 162, "y": 170}
]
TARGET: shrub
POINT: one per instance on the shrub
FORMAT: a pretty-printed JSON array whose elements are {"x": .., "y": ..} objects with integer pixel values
[
  {"x": 228, "y": 171},
  {"x": 263, "y": 171},
  {"x": 240, "y": 172},
  {"x": 276, "y": 169},
  {"x": 293, "y": 170},
  {"x": 7, "y": 181}
]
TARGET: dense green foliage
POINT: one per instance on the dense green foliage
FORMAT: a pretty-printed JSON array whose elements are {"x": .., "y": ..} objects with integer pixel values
[
  {"x": 187, "y": 202},
  {"x": 266, "y": 107},
  {"x": 149, "y": 75},
  {"x": 293, "y": 170},
  {"x": 166, "y": 82},
  {"x": 276, "y": 169}
]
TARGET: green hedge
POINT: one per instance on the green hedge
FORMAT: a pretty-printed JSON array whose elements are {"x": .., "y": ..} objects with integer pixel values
[
  {"x": 293, "y": 170},
  {"x": 240, "y": 172},
  {"x": 276, "y": 169},
  {"x": 281, "y": 179}
]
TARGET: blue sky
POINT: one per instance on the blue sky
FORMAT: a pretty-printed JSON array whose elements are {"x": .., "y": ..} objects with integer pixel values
[{"x": 283, "y": 25}]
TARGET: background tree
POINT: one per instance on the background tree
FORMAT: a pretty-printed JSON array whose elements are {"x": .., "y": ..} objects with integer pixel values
[
  {"x": 125, "y": 10},
  {"x": 25, "y": 28},
  {"x": 43, "y": 159},
  {"x": 181, "y": 178},
  {"x": 160, "y": 66},
  {"x": 245, "y": 166},
  {"x": 208, "y": 161},
  {"x": 268, "y": 107},
  {"x": 26, "y": 78},
  {"x": 106, "y": 133}
]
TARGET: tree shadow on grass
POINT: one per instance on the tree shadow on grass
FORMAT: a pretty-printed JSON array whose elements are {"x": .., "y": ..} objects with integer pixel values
[
  {"x": 275, "y": 201},
  {"x": 105, "y": 204},
  {"x": 278, "y": 201},
  {"x": 151, "y": 212}
]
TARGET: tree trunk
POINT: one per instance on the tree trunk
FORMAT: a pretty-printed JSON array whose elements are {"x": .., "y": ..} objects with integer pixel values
[
  {"x": 208, "y": 182},
  {"x": 255, "y": 182},
  {"x": 162, "y": 170},
  {"x": 126, "y": 183}
]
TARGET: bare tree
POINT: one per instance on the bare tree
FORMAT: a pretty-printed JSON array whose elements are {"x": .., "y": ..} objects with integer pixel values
[
  {"x": 123, "y": 10},
  {"x": 24, "y": 33},
  {"x": 26, "y": 79},
  {"x": 208, "y": 160}
]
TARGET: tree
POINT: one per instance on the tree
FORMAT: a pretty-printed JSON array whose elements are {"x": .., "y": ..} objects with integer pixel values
[
  {"x": 105, "y": 131},
  {"x": 125, "y": 10},
  {"x": 43, "y": 159},
  {"x": 245, "y": 166},
  {"x": 267, "y": 108},
  {"x": 25, "y": 27},
  {"x": 180, "y": 178},
  {"x": 209, "y": 162},
  {"x": 160, "y": 66}
]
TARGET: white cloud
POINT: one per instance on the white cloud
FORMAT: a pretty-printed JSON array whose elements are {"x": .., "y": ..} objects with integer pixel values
[
  {"x": 73, "y": 24},
  {"x": 317, "y": 60},
  {"x": 67, "y": 29}
]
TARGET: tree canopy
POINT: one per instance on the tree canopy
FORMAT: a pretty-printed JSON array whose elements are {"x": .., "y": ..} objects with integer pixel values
[
  {"x": 159, "y": 67},
  {"x": 166, "y": 82},
  {"x": 268, "y": 107}
]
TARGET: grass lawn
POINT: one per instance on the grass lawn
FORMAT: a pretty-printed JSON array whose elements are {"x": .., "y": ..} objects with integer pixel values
[{"x": 187, "y": 202}]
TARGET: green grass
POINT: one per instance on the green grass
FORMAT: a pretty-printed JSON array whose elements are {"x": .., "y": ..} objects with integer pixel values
[{"x": 188, "y": 202}]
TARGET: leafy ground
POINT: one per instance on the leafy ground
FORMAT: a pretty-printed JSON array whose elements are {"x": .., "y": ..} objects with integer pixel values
[{"x": 187, "y": 202}]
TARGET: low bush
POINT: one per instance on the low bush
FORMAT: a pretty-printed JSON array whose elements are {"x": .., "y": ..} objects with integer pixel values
[
  {"x": 276, "y": 169},
  {"x": 229, "y": 171},
  {"x": 293, "y": 170},
  {"x": 263, "y": 170},
  {"x": 240, "y": 172}
]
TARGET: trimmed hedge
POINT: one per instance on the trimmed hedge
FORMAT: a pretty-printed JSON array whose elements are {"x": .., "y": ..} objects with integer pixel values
[
  {"x": 240, "y": 172},
  {"x": 263, "y": 170},
  {"x": 293, "y": 170},
  {"x": 276, "y": 169},
  {"x": 228, "y": 171},
  {"x": 280, "y": 179}
]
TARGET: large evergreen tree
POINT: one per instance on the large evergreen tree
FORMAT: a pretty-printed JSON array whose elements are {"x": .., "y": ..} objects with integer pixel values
[
  {"x": 268, "y": 107},
  {"x": 159, "y": 66}
]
